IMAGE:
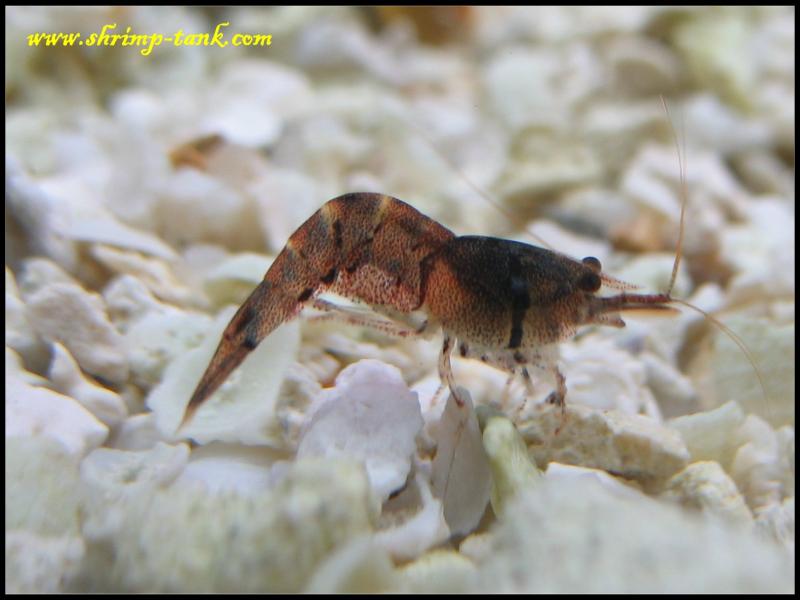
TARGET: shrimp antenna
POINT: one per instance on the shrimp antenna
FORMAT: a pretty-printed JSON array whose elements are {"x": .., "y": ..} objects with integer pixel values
[
  {"x": 680, "y": 147},
  {"x": 684, "y": 195}
]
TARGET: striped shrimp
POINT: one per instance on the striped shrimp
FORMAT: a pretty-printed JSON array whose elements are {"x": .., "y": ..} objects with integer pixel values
[
  {"x": 503, "y": 302},
  {"x": 506, "y": 303}
]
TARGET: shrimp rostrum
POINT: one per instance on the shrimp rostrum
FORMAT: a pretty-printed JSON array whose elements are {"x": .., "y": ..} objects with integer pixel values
[{"x": 503, "y": 302}]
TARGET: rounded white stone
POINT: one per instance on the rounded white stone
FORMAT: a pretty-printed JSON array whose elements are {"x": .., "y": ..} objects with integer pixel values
[
  {"x": 36, "y": 411},
  {"x": 370, "y": 416}
]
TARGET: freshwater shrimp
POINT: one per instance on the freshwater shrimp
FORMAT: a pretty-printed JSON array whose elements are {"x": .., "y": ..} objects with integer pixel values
[
  {"x": 503, "y": 302},
  {"x": 506, "y": 303}
]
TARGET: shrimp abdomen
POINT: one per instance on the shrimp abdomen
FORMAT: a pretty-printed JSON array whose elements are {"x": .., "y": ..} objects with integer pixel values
[{"x": 365, "y": 246}]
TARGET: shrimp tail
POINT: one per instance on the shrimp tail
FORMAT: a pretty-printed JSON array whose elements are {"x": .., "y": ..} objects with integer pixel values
[{"x": 261, "y": 313}]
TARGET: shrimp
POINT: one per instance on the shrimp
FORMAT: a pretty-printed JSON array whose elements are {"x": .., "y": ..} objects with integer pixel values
[{"x": 504, "y": 302}]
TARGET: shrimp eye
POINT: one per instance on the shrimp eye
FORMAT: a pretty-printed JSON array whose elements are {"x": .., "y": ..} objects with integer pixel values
[
  {"x": 589, "y": 282},
  {"x": 592, "y": 263}
]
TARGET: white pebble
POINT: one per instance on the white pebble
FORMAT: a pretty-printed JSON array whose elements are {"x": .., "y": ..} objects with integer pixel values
[
  {"x": 160, "y": 337},
  {"x": 370, "y": 416},
  {"x": 36, "y": 411},
  {"x": 66, "y": 313},
  {"x": 128, "y": 299},
  {"x": 155, "y": 273},
  {"x": 137, "y": 432},
  {"x": 637, "y": 546},
  {"x": 711, "y": 435},
  {"x": 705, "y": 486},
  {"x": 632, "y": 446},
  {"x": 67, "y": 378}
]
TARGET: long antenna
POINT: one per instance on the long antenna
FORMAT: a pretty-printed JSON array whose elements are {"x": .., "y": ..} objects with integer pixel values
[
  {"x": 680, "y": 147},
  {"x": 684, "y": 197}
]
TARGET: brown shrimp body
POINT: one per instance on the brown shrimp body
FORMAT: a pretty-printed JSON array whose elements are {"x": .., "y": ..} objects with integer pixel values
[
  {"x": 505, "y": 302},
  {"x": 504, "y": 294}
]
